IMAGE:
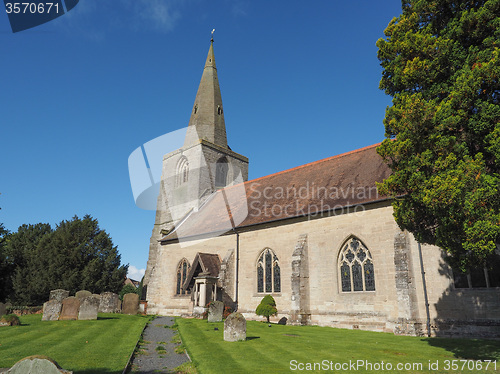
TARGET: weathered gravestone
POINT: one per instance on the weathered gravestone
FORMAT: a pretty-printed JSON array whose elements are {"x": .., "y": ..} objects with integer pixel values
[
  {"x": 58, "y": 295},
  {"x": 70, "y": 308},
  {"x": 51, "y": 310},
  {"x": 89, "y": 307},
  {"x": 235, "y": 328},
  {"x": 37, "y": 365},
  {"x": 110, "y": 303},
  {"x": 3, "y": 309},
  {"x": 215, "y": 311},
  {"x": 130, "y": 303},
  {"x": 83, "y": 294}
]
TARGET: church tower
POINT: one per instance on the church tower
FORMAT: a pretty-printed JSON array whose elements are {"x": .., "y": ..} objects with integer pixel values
[{"x": 204, "y": 164}]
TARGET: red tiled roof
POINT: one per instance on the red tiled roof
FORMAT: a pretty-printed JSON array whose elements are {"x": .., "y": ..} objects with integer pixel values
[{"x": 332, "y": 183}]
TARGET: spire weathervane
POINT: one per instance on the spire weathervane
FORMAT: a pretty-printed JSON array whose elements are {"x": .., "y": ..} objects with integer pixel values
[{"x": 212, "y": 35}]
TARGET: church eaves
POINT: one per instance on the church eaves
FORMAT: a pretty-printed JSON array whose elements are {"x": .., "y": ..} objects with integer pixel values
[
  {"x": 207, "y": 117},
  {"x": 311, "y": 190}
]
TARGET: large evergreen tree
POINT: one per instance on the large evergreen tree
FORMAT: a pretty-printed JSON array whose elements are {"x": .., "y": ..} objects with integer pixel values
[
  {"x": 24, "y": 257},
  {"x": 4, "y": 265},
  {"x": 441, "y": 62},
  {"x": 76, "y": 255}
]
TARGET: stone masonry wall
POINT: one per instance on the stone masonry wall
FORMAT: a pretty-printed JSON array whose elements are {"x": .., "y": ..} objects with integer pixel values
[{"x": 397, "y": 304}]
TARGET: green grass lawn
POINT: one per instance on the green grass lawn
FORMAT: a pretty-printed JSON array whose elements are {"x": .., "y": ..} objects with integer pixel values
[
  {"x": 273, "y": 349},
  {"x": 101, "y": 346}
]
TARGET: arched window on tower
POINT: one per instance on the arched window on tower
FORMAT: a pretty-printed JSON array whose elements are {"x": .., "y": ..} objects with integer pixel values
[
  {"x": 356, "y": 267},
  {"x": 182, "y": 271},
  {"x": 268, "y": 272},
  {"x": 182, "y": 171},
  {"x": 221, "y": 169}
]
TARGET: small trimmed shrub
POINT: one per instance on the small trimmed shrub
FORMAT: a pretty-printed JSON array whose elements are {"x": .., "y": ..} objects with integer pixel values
[{"x": 267, "y": 307}]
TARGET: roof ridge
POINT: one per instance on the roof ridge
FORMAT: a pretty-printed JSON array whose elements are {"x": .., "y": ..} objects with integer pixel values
[
  {"x": 316, "y": 162},
  {"x": 301, "y": 166}
]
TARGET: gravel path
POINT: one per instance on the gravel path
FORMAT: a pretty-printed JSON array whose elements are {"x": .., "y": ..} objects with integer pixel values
[{"x": 152, "y": 360}]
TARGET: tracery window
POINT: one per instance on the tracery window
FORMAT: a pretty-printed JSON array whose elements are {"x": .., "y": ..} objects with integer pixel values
[
  {"x": 182, "y": 171},
  {"x": 356, "y": 267},
  {"x": 221, "y": 169},
  {"x": 181, "y": 274},
  {"x": 268, "y": 272}
]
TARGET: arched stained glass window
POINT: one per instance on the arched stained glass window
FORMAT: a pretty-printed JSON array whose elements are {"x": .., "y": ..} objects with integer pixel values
[
  {"x": 268, "y": 272},
  {"x": 181, "y": 274},
  {"x": 356, "y": 267}
]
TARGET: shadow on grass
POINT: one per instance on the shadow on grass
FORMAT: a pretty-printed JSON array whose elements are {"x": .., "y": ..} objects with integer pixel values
[
  {"x": 97, "y": 371},
  {"x": 468, "y": 349},
  {"x": 253, "y": 337},
  {"x": 99, "y": 317}
]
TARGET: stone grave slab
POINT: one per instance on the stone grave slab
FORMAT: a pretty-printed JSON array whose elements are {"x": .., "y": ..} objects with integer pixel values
[
  {"x": 89, "y": 307},
  {"x": 70, "y": 308},
  {"x": 215, "y": 311},
  {"x": 37, "y": 365},
  {"x": 130, "y": 303},
  {"x": 83, "y": 294},
  {"x": 235, "y": 328},
  {"x": 58, "y": 295},
  {"x": 51, "y": 310},
  {"x": 110, "y": 303}
]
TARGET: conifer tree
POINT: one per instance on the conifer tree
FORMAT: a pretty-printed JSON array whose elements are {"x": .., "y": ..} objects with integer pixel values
[
  {"x": 5, "y": 268},
  {"x": 441, "y": 62},
  {"x": 267, "y": 307},
  {"x": 77, "y": 255}
]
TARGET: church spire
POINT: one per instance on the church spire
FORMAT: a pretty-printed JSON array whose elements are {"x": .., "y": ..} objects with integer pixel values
[{"x": 207, "y": 116}]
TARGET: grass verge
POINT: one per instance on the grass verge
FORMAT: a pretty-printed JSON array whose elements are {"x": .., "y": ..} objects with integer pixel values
[
  {"x": 279, "y": 349},
  {"x": 101, "y": 346}
]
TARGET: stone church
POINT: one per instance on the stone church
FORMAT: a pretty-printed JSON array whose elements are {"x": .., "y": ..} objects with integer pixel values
[{"x": 318, "y": 238}]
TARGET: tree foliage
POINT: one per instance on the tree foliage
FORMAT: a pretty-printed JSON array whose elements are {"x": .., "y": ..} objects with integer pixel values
[
  {"x": 76, "y": 255},
  {"x": 267, "y": 307},
  {"x": 5, "y": 268},
  {"x": 441, "y": 62},
  {"x": 128, "y": 288}
]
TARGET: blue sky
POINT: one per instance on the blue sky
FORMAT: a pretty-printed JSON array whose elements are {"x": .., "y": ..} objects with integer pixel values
[{"x": 299, "y": 83}]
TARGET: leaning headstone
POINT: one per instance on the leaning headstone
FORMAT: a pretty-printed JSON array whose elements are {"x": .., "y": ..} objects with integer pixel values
[
  {"x": 51, "y": 310},
  {"x": 89, "y": 307},
  {"x": 58, "y": 295},
  {"x": 215, "y": 311},
  {"x": 37, "y": 365},
  {"x": 83, "y": 294},
  {"x": 110, "y": 303},
  {"x": 3, "y": 309},
  {"x": 70, "y": 308},
  {"x": 235, "y": 328},
  {"x": 130, "y": 303}
]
